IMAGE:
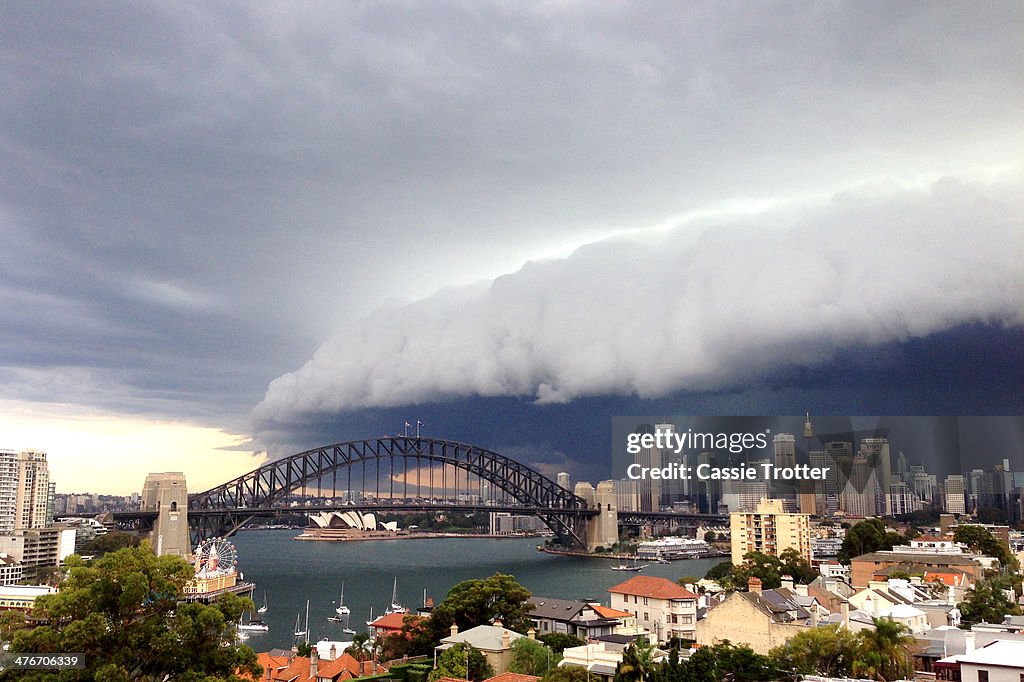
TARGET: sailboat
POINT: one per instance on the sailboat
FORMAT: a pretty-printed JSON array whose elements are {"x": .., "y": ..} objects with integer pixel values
[
  {"x": 254, "y": 625},
  {"x": 395, "y": 606},
  {"x": 263, "y": 609},
  {"x": 304, "y": 632},
  {"x": 370, "y": 621},
  {"x": 342, "y": 610}
]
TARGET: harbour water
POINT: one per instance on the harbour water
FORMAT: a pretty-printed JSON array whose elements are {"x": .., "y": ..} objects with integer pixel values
[{"x": 290, "y": 572}]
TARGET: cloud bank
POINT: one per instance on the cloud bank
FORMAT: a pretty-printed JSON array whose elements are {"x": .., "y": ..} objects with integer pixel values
[{"x": 690, "y": 308}]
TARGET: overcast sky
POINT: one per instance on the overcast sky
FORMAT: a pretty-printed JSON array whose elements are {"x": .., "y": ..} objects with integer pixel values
[{"x": 266, "y": 227}]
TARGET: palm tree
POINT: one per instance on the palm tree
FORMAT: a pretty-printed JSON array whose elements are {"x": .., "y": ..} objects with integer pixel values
[
  {"x": 361, "y": 647},
  {"x": 637, "y": 662},
  {"x": 885, "y": 653}
]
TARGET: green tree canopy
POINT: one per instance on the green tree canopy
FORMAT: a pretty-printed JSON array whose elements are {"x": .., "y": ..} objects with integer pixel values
[
  {"x": 870, "y": 535},
  {"x": 110, "y": 542},
  {"x": 638, "y": 663},
  {"x": 560, "y": 641},
  {"x": 530, "y": 657},
  {"x": 725, "y": 661},
  {"x": 981, "y": 540},
  {"x": 481, "y": 602},
  {"x": 985, "y": 602},
  {"x": 122, "y": 612},
  {"x": 452, "y": 663},
  {"x": 567, "y": 673},
  {"x": 884, "y": 651},
  {"x": 829, "y": 651}
]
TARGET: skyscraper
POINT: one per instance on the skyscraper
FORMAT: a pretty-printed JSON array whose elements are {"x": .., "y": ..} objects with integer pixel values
[
  {"x": 785, "y": 450},
  {"x": 8, "y": 489},
  {"x": 562, "y": 478},
  {"x": 33, "y": 490}
]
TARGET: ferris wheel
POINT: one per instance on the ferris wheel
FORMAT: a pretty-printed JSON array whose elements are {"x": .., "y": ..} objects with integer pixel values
[{"x": 215, "y": 556}]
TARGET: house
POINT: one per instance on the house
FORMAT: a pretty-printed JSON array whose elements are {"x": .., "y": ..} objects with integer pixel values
[
  {"x": 577, "y": 618},
  {"x": 391, "y": 623},
  {"x": 761, "y": 619},
  {"x": 493, "y": 641},
  {"x": 662, "y": 607},
  {"x": 868, "y": 567},
  {"x": 999, "y": 661},
  {"x": 285, "y": 666}
]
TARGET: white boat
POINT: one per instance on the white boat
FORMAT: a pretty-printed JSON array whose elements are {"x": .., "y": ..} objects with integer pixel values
[
  {"x": 304, "y": 632},
  {"x": 256, "y": 625},
  {"x": 395, "y": 606},
  {"x": 348, "y": 631},
  {"x": 263, "y": 609},
  {"x": 342, "y": 610}
]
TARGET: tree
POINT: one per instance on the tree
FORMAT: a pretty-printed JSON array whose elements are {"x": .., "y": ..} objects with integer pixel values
[
  {"x": 829, "y": 651},
  {"x": 981, "y": 540},
  {"x": 560, "y": 641},
  {"x": 567, "y": 673},
  {"x": 123, "y": 612},
  {"x": 985, "y": 602},
  {"x": 110, "y": 542},
  {"x": 530, "y": 657},
  {"x": 724, "y": 661},
  {"x": 884, "y": 651},
  {"x": 867, "y": 536},
  {"x": 481, "y": 602},
  {"x": 795, "y": 565},
  {"x": 637, "y": 662},
  {"x": 361, "y": 647},
  {"x": 452, "y": 663}
]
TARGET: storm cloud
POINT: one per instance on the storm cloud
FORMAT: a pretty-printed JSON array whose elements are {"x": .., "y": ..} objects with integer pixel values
[{"x": 692, "y": 308}]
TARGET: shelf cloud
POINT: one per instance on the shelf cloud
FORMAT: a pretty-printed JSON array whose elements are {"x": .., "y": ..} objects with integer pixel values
[{"x": 689, "y": 308}]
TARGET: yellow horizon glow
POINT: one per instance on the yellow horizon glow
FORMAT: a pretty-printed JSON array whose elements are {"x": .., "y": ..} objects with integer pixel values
[{"x": 108, "y": 453}]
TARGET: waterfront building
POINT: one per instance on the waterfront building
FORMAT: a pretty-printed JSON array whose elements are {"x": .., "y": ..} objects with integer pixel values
[
  {"x": 760, "y": 619},
  {"x": 672, "y": 548},
  {"x": 577, "y": 618},
  {"x": 493, "y": 641},
  {"x": 769, "y": 530},
  {"x": 661, "y": 606}
]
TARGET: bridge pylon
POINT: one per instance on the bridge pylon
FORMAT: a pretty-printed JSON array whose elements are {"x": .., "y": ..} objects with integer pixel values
[
  {"x": 167, "y": 494},
  {"x": 602, "y": 530}
]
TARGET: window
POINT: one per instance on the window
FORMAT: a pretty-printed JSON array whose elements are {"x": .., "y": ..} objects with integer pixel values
[
  {"x": 645, "y": 601},
  {"x": 646, "y": 616},
  {"x": 982, "y": 676},
  {"x": 686, "y": 620}
]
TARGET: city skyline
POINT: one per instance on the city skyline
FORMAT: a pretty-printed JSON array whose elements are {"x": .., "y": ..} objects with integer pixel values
[{"x": 249, "y": 231}]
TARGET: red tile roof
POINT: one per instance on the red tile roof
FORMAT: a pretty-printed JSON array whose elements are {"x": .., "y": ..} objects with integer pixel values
[
  {"x": 512, "y": 677},
  {"x": 606, "y": 612},
  {"x": 393, "y": 621},
  {"x": 650, "y": 586}
]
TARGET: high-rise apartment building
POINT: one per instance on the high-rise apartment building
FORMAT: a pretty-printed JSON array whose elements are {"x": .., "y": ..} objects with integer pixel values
[
  {"x": 769, "y": 530},
  {"x": 8, "y": 490},
  {"x": 562, "y": 478},
  {"x": 33, "y": 490}
]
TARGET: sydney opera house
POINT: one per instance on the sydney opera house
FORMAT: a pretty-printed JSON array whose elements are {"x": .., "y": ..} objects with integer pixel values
[{"x": 347, "y": 525}]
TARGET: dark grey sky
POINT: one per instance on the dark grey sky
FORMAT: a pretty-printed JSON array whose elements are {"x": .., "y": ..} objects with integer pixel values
[{"x": 365, "y": 206}]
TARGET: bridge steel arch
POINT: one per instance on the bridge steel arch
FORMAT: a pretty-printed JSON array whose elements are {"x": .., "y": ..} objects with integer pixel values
[{"x": 269, "y": 486}]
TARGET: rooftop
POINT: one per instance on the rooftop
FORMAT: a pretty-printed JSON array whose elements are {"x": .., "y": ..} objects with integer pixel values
[{"x": 650, "y": 586}]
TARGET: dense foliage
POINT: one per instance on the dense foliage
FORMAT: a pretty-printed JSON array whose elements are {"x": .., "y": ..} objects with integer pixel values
[
  {"x": 530, "y": 657},
  {"x": 122, "y": 612},
  {"x": 482, "y": 602},
  {"x": 768, "y": 568},
  {"x": 452, "y": 663},
  {"x": 867, "y": 536}
]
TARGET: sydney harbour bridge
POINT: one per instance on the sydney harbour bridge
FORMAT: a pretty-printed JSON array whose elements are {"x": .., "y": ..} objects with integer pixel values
[{"x": 398, "y": 474}]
